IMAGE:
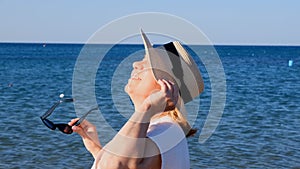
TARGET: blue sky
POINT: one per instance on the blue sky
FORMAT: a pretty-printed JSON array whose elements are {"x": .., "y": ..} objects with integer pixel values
[{"x": 274, "y": 22}]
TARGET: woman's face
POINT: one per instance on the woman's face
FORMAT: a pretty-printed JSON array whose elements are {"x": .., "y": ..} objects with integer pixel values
[{"x": 142, "y": 82}]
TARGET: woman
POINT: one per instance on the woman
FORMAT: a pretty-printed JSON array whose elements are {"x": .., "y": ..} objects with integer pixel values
[{"x": 155, "y": 135}]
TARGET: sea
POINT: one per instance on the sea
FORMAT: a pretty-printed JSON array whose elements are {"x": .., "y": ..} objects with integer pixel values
[{"x": 259, "y": 126}]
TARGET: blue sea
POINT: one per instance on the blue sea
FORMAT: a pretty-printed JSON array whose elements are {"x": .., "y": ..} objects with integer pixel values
[{"x": 259, "y": 128}]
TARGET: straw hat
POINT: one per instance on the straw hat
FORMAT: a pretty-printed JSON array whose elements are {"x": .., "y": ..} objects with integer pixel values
[{"x": 172, "y": 62}]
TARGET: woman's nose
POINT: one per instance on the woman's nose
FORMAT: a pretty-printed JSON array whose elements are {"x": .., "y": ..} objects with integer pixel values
[{"x": 137, "y": 65}]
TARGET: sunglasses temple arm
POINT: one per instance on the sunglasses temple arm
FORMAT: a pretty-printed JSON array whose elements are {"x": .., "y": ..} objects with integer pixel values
[
  {"x": 84, "y": 116},
  {"x": 68, "y": 100},
  {"x": 50, "y": 110}
]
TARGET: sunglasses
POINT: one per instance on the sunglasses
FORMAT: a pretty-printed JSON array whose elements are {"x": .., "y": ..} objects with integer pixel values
[{"x": 63, "y": 127}]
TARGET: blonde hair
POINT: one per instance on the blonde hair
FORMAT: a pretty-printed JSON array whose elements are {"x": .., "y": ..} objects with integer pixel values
[{"x": 178, "y": 117}]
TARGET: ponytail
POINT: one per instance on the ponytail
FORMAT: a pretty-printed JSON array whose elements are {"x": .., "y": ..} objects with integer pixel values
[{"x": 177, "y": 116}]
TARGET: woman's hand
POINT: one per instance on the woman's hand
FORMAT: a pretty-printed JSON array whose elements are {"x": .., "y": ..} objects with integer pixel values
[
  {"x": 161, "y": 100},
  {"x": 89, "y": 135}
]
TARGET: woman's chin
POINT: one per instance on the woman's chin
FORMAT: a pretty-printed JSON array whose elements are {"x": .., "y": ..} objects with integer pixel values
[{"x": 127, "y": 89}]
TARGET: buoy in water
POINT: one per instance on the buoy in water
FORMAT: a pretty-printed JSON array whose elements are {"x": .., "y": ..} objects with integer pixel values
[{"x": 290, "y": 62}]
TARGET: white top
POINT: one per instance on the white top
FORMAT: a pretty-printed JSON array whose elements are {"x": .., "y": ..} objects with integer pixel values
[{"x": 171, "y": 141}]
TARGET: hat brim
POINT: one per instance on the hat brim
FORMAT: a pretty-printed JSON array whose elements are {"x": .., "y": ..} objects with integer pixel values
[{"x": 172, "y": 62}]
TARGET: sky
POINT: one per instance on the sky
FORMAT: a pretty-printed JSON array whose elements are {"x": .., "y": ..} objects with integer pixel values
[{"x": 259, "y": 22}]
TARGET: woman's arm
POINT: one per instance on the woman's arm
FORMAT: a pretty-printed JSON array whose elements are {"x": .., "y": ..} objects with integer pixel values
[
  {"x": 119, "y": 152},
  {"x": 131, "y": 148},
  {"x": 89, "y": 136}
]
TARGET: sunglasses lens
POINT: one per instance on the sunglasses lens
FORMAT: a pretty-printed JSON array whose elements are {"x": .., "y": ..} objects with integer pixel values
[
  {"x": 65, "y": 128},
  {"x": 49, "y": 124}
]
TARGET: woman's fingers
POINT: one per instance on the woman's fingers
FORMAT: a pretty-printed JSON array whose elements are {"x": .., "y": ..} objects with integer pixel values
[
  {"x": 163, "y": 99},
  {"x": 73, "y": 121},
  {"x": 79, "y": 130},
  {"x": 171, "y": 95},
  {"x": 166, "y": 86},
  {"x": 162, "y": 85},
  {"x": 169, "y": 86}
]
